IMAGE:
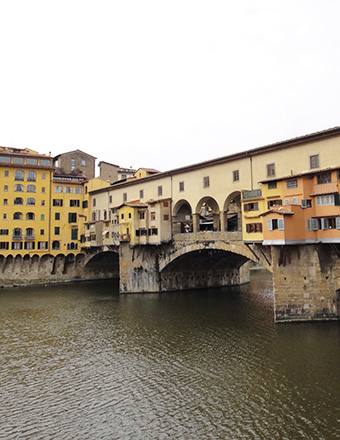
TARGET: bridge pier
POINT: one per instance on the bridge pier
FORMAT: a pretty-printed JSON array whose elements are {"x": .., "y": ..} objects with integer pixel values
[{"x": 306, "y": 282}]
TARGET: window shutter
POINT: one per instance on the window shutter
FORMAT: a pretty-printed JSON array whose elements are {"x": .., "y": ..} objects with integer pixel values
[
  {"x": 337, "y": 222},
  {"x": 270, "y": 224},
  {"x": 309, "y": 225},
  {"x": 280, "y": 224},
  {"x": 324, "y": 223},
  {"x": 303, "y": 203},
  {"x": 315, "y": 224},
  {"x": 337, "y": 199}
]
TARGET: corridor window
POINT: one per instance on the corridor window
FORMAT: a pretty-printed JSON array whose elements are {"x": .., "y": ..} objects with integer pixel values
[
  {"x": 181, "y": 186},
  {"x": 271, "y": 170},
  {"x": 206, "y": 182},
  {"x": 236, "y": 176},
  {"x": 141, "y": 194},
  {"x": 160, "y": 191},
  {"x": 292, "y": 183},
  {"x": 314, "y": 161}
]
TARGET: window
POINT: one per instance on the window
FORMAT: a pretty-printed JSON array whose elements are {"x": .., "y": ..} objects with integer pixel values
[
  {"x": 18, "y": 188},
  {"x": 57, "y": 216},
  {"x": 160, "y": 191},
  {"x": 153, "y": 216},
  {"x": 75, "y": 203},
  {"x": 73, "y": 164},
  {"x": 55, "y": 245},
  {"x": 6, "y": 173},
  {"x": 306, "y": 203},
  {"x": 68, "y": 190},
  {"x": 18, "y": 216},
  {"x": 129, "y": 214},
  {"x": 43, "y": 176},
  {"x": 17, "y": 233},
  {"x": 141, "y": 194},
  {"x": 58, "y": 189},
  {"x": 30, "y": 216},
  {"x": 181, "y": 186},
  {"x": 273, "y": 224},
  {"x": 292, "y": 183},
  {"x": 271, "y": 170},
  {"x": 142, "y": 215},
  {"x": 30, "y": 201},
  {"x": 29, "y": 245},
  {"x": 77, "y": 190},
  {"x": 253, "y": 227},
  {"x": 254, "y": 206},
  {"x": 272, "y": 185},
  {"x": 236, "y": 176},
  {"x": 166, "y": 217},
  {"x": 17, "y": 246},
  {"x": 18, "y": 201},
  {"x": 110, "y": 199},
  {"x": 43, "y": 189},
  {"x": 83, "y": 162},
  {"x": 94, "y": 202},
  {"x": 57, "y": 202},
  {"x": 42, "y": 244},
  {"x": 42, "y": 217},
  {"x": 314, "y": 161},
  {"x": 4, "y": 216},
  {"x": 3, "y": 231},
  {"x": 74, "y": 234},
  {"x": 45, "y": 162},
  {"x": 29, "y": 234},
  {"x": 30, "y": 188},
  {"x": 324, "y": 178},
  {"x": 271, "y": 203},
  {"x": 122, "y": 216},
  {"x": 325, "y": 200},
  {"x": 43, "y": 203},
  {"x": 166, "y": 204},
  {"x": 312, "y": 224},
  {"x": 30, "y": 161},
  {"x": 5, "y": 201},
  {"x": 5, "y": 188},
  {"x": 4, "y": 245},
  {"x": 153, "y": 231},
  {"x": 124, "y": 197},
  {"x": 57, "y": 230},
  {"x": 286, "y": 202},
  {"x": 72, "y": 217},
  {"x": 105, "y": 214},
  {"x": 295, "y": 201},
  {"x": 5, "y": 159},
  {"x": 206, "y": 182},
  {"x": 31, "y": 176},
  {"x": 85, "y": 204},
  {"x": 19, "y": 175}
]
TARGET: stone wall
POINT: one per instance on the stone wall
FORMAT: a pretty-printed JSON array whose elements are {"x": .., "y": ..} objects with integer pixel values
[{"x": 306, "y": 280}]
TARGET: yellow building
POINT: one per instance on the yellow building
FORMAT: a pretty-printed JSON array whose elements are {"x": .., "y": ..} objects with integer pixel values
[{"x": 25, "y": 199}]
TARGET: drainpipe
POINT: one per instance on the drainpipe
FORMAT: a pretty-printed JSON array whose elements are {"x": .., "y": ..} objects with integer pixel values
[{"x": 251, "y": 171}]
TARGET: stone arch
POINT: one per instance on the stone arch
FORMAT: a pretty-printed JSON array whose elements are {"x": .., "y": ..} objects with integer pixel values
[
  {"x": 69, "y": 261},
  {"x": 207, "y": 215},
  {"x": 182, "y": 220},
  {"x": 58, "y": 264},
  {"x": 232, "y": 213},
  {"x": 103, "y": 265},
  {"x": 46, "y": 263},
  {"x": 236, "y": 248}
]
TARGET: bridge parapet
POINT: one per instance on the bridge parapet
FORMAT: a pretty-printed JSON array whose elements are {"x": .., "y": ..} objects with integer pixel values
[{"x": 209, "y": 236}]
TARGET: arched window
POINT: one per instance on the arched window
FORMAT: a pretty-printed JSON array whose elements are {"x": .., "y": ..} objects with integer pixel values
[
  {"x": 18, "y": 187},
  {"x": 17, "y": 233},
  {"x": 30, "y": 216},
  {"x": 31, "y": 176},
  {"x": 30, "y": 201},
  {"x": 29, "y": 234},
  {"x": 55, "y": 245},
  {"x": 31, "y": 188},
  {"x": 17, "y": 216},
  {"x": 18, "y": 201},
  {"x": 19, "y": 175}
]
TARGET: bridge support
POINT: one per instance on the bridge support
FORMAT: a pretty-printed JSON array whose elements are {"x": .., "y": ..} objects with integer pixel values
[{"x": 306, "y": 282}]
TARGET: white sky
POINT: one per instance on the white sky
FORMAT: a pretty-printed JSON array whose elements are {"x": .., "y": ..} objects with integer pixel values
[{"x": 163, "y": 84}]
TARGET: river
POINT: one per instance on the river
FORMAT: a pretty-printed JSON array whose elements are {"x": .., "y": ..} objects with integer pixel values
[{"x": 80, "y": 361}]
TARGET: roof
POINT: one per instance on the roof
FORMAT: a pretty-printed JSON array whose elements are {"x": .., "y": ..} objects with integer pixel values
[
  {"x": 236, "y": 156},
  {"x": 303, "y": 174},
  {"x": 108, "y": 163},
  {"x": 74, "y": 151}
]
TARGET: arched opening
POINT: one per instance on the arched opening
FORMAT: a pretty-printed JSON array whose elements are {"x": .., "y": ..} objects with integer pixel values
[
  {"x": 232, "y": 217},
  {"x": 182, "y": 217},
  {"x": 103, "y": 265},
  {"x": 205, "y": 268},
  {"x": 207, "y": 215}
]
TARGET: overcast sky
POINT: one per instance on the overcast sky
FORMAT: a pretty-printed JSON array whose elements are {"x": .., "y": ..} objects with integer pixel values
[{"x": 163, "y": 84}]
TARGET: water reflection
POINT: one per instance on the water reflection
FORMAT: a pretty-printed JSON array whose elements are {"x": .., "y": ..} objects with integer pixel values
[{"x": 82, "y": 361}]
